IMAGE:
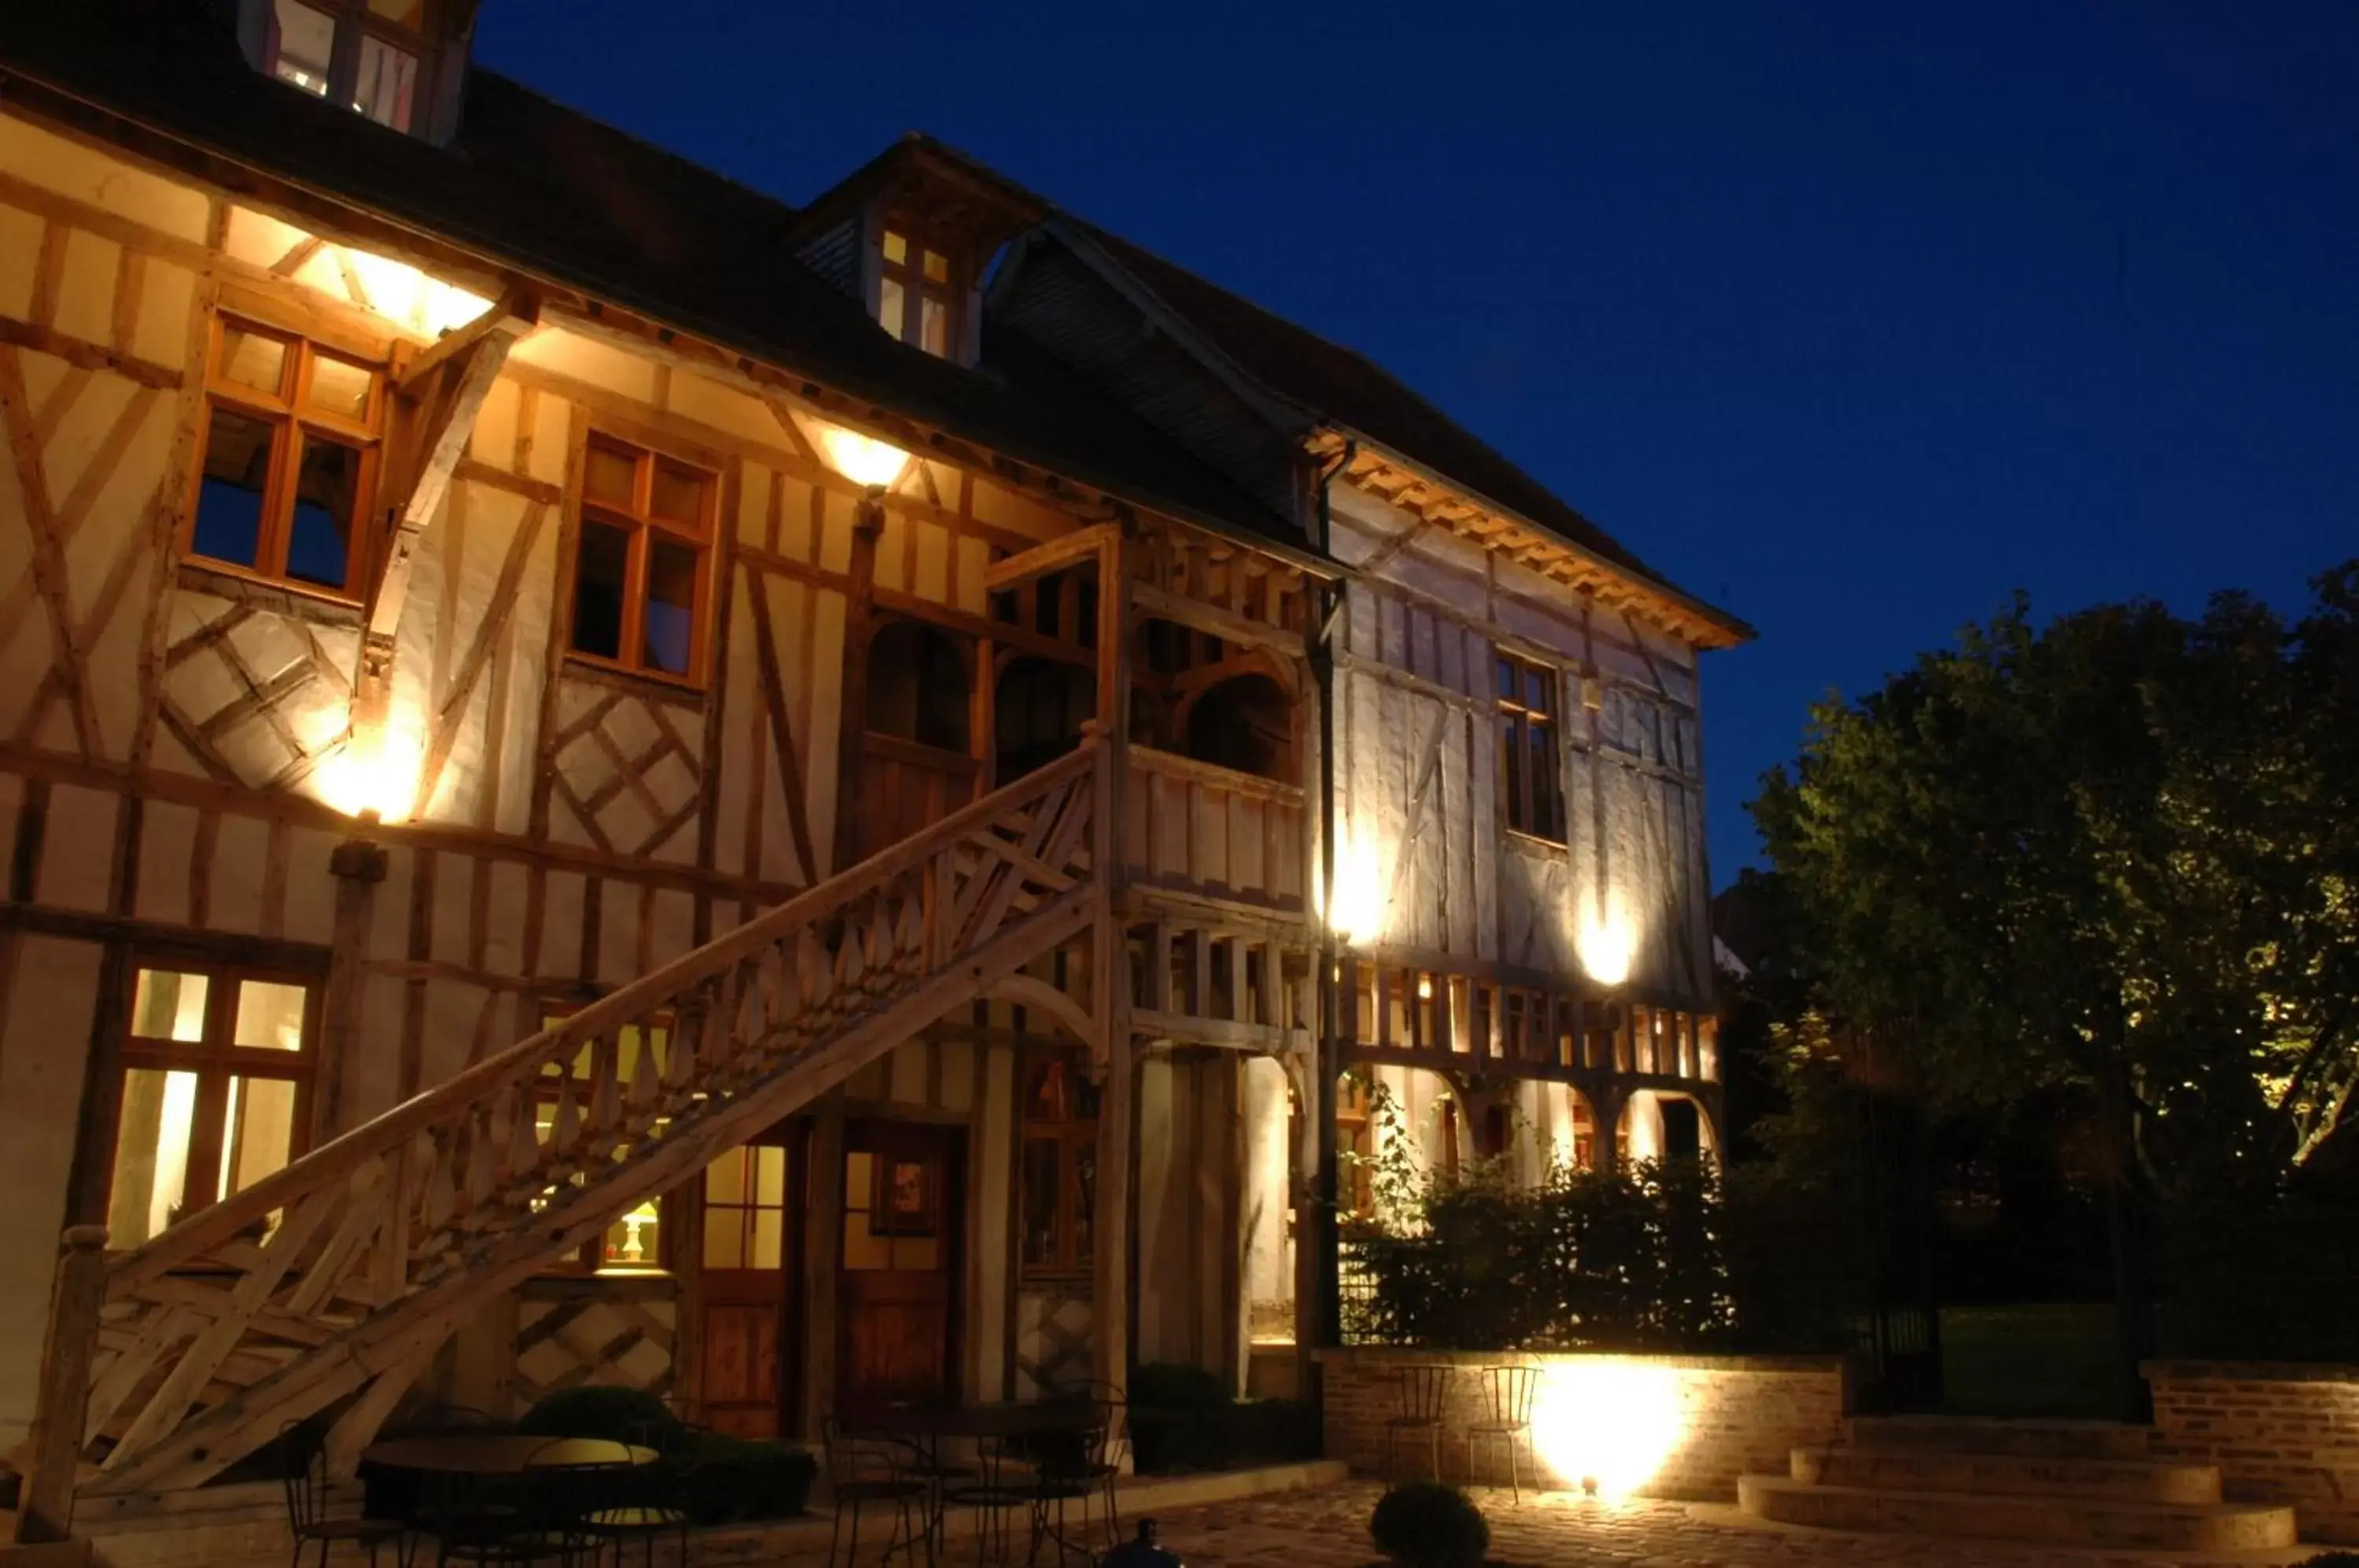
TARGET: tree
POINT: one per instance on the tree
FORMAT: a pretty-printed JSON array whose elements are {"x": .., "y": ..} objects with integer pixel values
[{"x": 2115, "y": 854}]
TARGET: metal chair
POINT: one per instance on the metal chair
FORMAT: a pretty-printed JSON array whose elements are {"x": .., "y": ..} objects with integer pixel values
[
  {"x": 1111, "y": 1456},
  {"x": 1420, "y": 1395},
  {"x": 309, "y": 1520},
  {"x": 538, "y": 1520},
  {"x": 1507, "y": 1394},
  {"x": 647, "y": 1503},
  {"x": 870, "y": 1467},
  {"x": 1000, "y": 1486},
  {"x": 1067, "y": 1467}
]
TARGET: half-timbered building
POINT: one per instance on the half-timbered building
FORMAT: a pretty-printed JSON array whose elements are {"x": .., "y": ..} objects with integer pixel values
[{"x": 605, "y": 778}]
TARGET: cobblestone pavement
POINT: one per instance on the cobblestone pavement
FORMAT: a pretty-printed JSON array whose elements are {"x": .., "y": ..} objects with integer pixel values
[{"x": 1329, "y": 1529}]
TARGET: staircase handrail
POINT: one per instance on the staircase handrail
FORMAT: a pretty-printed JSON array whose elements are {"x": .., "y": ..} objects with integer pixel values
[{"x": 523, "y": 1063}]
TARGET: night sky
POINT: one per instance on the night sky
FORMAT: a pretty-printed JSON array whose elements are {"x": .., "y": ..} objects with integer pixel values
[{"x": 1852, "y": 318}]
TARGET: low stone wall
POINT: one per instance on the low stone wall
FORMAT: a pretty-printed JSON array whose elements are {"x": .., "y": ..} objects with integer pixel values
[
  {"x": 2279, "y": 1431},
  {"x": 1658, "y": 1426}
]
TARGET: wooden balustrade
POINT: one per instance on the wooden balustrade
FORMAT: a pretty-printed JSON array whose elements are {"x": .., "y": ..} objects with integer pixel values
[
  {"x": 358, "y": 1259},
  {"x": 1190, "y": 826}
]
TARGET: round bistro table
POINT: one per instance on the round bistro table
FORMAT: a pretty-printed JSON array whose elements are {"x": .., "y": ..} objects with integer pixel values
[{"x": 499, "y": 1454}]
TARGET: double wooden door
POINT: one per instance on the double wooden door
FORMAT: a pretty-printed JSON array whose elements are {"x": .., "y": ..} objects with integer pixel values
[{"x": 898, "y": 1313}]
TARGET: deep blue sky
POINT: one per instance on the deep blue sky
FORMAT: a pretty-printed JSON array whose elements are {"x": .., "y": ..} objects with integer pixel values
[{"x": 1852, "y": 317}]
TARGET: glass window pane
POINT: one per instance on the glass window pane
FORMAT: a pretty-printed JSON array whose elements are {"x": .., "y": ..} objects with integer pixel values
[
  {"x": 327, "y": 498},
  {"x": 340, "y": 387},
  {"x": 151, "y": 1154},
  {"x": 1536, "y": 688},
  {"x": 168, "y": 1006},
  {"x": 859, "y": 1179},
  {"x": 1040, "y": 1181},
  {"x": 770, "y": 1176},
  {"x": 934, "y": 334},
  {"x": 269, "y": 1015},
  {"x": 724, "y": 1235},
  {"x": 862, "y": 1249},
  {"x": 725, "y": 1178},
  {"x": 937, "y": 267},
  {"x": 307, "y": 45},
  {"x": 410, "y": 13},
  {"x": 258, "y": 1134},
  {"x": 1507, "y": 680},
  {"x": 632, "y": 1241},
  {"x": 889, "y": 306},
  {"x": 599, "y": 572},
  {"x": 679, "y": 494},
  {"x": 250, "y": 359},
  {"x": 769, "y": 1248},
  {"x": 229, "y": 500},
  {"x": 611, "y": 475},
  {"x": 896, "y": 247},
  {"x": 666, "y": 632},
  {"x": 386, "y": 85}
]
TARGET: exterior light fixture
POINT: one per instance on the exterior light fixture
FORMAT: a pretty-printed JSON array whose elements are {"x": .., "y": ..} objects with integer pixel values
[
  {"x": 871, "y": 463},
  {"x": 1607, "y": 940}
]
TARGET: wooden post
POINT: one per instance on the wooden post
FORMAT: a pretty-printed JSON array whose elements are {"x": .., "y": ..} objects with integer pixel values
[
  {"x": 1110, "y": 972},
  {"x": 358, "y": 864},
  {"x": 1314, "y": 1154},
  {"x": 852, "y": 721},
  {"x": 823, "y": 1262},
  {"x": 45, "y": 1507}
]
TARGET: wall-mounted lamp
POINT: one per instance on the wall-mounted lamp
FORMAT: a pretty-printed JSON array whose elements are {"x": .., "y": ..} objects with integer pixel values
[
  {"x": 1607, "y": 940},
  {"x": 866, "y": 460}
]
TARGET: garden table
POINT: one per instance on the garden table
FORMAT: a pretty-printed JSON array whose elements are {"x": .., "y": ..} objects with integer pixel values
[{"x": 499, "y": 1454}]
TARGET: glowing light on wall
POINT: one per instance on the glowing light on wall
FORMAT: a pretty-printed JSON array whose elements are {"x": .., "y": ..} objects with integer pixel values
[
  {"x": 398, "y": 290},
  {"x": 862, "y": 458},
  {"x": 375, "y": 774},
  {"x": 1359, "y": 912},
  {"x": 1607, "y": 940},
  {"x": 1615, "y": 1424}
]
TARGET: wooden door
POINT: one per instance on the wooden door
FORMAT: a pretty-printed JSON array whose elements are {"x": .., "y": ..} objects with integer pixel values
[
  {"x": 745, "y": 1290},
  {"x": 905, "y": 787},
  {"x": 898, "y": 1305}
]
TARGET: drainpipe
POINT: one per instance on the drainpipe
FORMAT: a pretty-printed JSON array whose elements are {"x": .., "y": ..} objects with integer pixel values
[{"x": 1330, "y": 1048}]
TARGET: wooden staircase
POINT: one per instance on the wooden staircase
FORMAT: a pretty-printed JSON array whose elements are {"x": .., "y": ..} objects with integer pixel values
[{"x": 341, "y": 1274}]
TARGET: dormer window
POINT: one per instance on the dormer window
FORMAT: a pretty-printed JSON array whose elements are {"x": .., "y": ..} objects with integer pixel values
[
  {"x": 917, "y": 297},
  {"x": 367, "y": 54}
]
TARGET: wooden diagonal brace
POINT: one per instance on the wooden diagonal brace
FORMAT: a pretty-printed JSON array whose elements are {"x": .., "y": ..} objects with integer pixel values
[{"x": 437, "y": 397}]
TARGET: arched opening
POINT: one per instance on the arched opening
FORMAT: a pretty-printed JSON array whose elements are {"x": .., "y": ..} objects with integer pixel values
[
  {"x": 1662, "y": 1124},
  {"x": 1037, "y": 709},
  {"x": 917, "y": 687},
  {"x": 1244, "y": 724}
]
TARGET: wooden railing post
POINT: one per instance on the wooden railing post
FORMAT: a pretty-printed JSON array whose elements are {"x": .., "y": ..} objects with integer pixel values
[
  {"x": 45, "y": 1507},
  {"x": 1110, "y": 1324}
]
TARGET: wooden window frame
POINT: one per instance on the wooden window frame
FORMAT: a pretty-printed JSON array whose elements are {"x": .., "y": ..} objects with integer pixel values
[
  {"x": 643, "y": 525},
  {"x": 293, "y": 421},
  {"x": 355, "y": 21},
  {"x": 1522, "y": 809},
  {"x": 909, "y": 273},
  {"x": 1072, "y": 1135},
  {"x": 216, "y": 1059}
]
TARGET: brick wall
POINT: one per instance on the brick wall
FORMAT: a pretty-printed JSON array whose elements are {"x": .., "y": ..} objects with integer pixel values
[
  {"x": 1685, "y": 1426},
  {"x": 2279, "y": 1431}
]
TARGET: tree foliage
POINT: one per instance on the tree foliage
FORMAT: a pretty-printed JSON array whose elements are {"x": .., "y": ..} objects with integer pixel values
[{"x": 2127, "y": 843}]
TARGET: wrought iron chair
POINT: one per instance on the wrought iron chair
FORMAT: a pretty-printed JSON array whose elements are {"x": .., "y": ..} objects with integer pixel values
[
  {"x": 1068, "y": 1466},
  {"x": 309, "y": 1519},
  {"x": 1507, "y": 1394},
  {"x": 647, "y": 1503},
  {"x": 537, "y": 1520},
  {"x": 1420, "y": 1395},
  {"x": 1112, "y": 1455},
  {"x": 1000, "y": 1485},
  {"x": 865, "y": 1468}
]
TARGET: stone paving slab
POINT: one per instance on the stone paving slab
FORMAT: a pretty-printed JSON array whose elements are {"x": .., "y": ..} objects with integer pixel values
[{"x": 1328, "y": 1528}]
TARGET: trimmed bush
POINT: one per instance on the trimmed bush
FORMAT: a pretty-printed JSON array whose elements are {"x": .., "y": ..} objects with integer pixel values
[
  {"x": 724, "y": 1478},
  {"x": 1174, "y": 1384},
  {"x": 1430, "y": 1524},
  {"x": 616, "y": 1415}
]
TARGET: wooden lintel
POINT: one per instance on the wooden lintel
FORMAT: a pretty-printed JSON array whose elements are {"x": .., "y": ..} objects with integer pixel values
[
  {"x": 1041, "y": 560},
  {"x": 1158, "y": 604},
  {"x": 1180, "y": 1028}
]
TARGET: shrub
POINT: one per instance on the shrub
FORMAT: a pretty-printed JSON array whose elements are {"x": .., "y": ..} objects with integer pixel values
[
  {"x": 618, "y": 1415},
  {"x": 1176, "y": 1386},
  {"x": 724, "y": 1478},
  {"x": 1430, "y": 1524}
]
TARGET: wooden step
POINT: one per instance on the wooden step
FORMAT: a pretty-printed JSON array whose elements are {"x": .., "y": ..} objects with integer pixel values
[
  {"x": 1976, "y": 1435},
  {"x": 2006, "y": 1474},
  {"x": 2050, "y": 1521}
]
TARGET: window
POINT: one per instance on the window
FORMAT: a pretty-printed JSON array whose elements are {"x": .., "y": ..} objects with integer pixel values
[
  {"x": 216, "y": 1085},
  {"x": 632, "y": 1244},
  {"x": 916, "y": 300},
  {"x": 918, "y": 686},
  {"x": 367, "y": 54},
  {"x": 745, "y": 1209},
  {"x": 1530, "y": 797},
  {"x": 639, "y": 577},
  {"x": 290, "y": 457},
  {"x": 1061, "y": 1168}
]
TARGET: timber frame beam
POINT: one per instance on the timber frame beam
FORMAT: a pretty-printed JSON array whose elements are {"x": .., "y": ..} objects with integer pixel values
[{"x": 438, "y": 395}]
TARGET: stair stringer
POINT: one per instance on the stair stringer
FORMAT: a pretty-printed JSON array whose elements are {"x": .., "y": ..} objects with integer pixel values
[{"x": 458, "y": 1191}]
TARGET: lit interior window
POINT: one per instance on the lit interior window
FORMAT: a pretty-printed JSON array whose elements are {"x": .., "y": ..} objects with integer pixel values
[{"x": 307, "y": 46}]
